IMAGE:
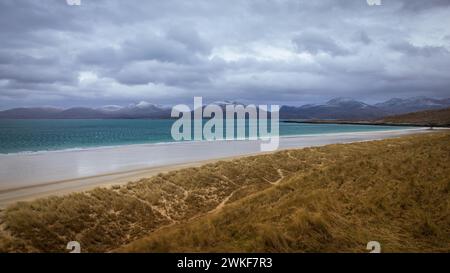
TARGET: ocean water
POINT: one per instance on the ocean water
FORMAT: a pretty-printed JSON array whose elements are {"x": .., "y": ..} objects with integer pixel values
[{"x": 46, "y": 135}]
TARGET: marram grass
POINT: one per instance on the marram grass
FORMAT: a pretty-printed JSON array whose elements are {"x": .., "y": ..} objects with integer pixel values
[{"x": 327, "y": 199}]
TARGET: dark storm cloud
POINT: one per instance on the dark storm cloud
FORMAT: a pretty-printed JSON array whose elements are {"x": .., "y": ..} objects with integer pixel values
[
  {"x": 315, "y": 43},
  {"x": 418, "y": 5},
  {"x": 426, "y": 51},
  {"x": 7, "y": 57},
  {"x": 273, "y": 51},
  {"x": 162, "y": 73},
  {"x": 159, "y": 48},
  {"x": 361, "y": 36}
]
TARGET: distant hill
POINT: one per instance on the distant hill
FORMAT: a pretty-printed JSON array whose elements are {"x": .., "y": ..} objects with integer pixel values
[
  {"x": 430, "y": 117},
  {"x": 415, "y": 104},
  {"x": 335, "y": 109},
  {"x": 133, "y": 111},
  {"x": 349, "y": 109},
  {"x": 338, "y": 108},
  {"x": 26, "y": 113}
]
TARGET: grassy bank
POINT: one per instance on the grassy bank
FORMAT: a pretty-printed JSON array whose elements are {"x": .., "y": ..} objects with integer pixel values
[
  {"x": 434, "y": 118},
  {"x": 427, "y": 118},
  {"x": 325, "y": 199}
]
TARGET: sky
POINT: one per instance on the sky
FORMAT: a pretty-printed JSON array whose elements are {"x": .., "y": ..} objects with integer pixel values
[{"x": 287, "y": 52}]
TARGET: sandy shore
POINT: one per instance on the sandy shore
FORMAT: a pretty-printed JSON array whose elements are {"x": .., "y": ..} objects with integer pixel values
[{"x": 28, "y": 176}]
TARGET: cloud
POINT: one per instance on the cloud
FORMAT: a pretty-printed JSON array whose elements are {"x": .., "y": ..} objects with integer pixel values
[
  {"x": 166, "y": 73},
  {"x": 418, "y": 5},
  {"x": 362, "y": 37},
  {"x": 270, "y": 51},
  {"x": 315, "y": 43},
  {"x": 426, "y": 51}
]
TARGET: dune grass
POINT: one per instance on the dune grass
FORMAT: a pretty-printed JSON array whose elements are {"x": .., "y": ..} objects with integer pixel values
[
  {"x": 396, "y": 192},
  {"x": 103, "y": 219},
  {"x": 327, "y": 199}
]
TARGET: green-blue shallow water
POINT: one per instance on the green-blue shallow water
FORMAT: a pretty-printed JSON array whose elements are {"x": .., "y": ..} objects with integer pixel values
[{"x": 45, "y": 135}]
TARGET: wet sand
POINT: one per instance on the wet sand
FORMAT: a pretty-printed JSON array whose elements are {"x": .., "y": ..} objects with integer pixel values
[{"x": 24, "y": 177}]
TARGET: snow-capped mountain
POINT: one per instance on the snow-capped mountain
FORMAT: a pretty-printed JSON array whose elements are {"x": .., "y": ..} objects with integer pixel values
[
  {"x": 400, "y": 106},
  {"x": 338, "y": 108},
  {"x": 110, "y": 108},
  {"x": 140, "y": 110},
  {"x": 346, "y": 102},
  {"x": 143, "y": 109},
  {"x": 350, "y": 109}
]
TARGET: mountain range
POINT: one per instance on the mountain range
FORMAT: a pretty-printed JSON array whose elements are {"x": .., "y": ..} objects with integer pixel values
[
  {"x": 349, "y": 109},
  {"x": 338, "y": 108},
  {"x": 140, "y": 110}
]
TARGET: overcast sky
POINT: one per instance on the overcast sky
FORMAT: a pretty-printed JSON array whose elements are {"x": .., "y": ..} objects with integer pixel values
[{"x": 260, "y": 51}]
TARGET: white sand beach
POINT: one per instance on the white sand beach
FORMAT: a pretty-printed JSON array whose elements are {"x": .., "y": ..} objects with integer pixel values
[{"x": 34, "y": 175}]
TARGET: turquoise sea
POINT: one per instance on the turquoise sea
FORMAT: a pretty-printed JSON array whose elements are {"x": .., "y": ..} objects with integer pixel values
[{"x": 46, "y": 135}]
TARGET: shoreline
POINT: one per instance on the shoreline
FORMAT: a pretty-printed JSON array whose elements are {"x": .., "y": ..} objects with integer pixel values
[
  {"x": 94, "y": 148},
  {"x": 371, "y": 123},
  {"x": 184, "y": 155}
]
